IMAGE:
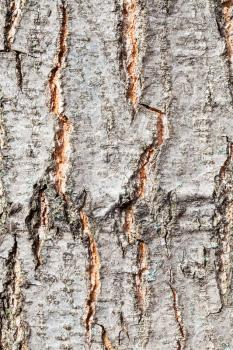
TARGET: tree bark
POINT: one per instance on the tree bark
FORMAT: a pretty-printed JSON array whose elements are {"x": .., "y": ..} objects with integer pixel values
[{"x": 116, "y": 206}]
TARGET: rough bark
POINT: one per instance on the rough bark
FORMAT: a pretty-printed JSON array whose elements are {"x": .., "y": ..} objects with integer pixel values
[{"x": 116, "y": 206}]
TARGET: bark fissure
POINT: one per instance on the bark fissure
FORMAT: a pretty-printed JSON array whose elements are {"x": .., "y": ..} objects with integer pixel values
[
  {"x": 12, "y": 328},
  {"x": 94, "y": 274},
  {"x": 3, "y": 198},
  {"x": 37, "y": 222},
  {"x": 129, "y": 223},
  {"x": 168, "y": 219},
  {"x": 107, "y": 344},
  {"x": 178, "y": 317},
  {"x": 141, "y": 174},
  {"x": 38, "y": 241},
  {"x": 62, "y": 135},
  {"x": 124, "y": 328},
  {"x": 131, "y": 49},
  {"x": 141, "y": 286},
  {"x": 13, "y": 16},
  {"x": 140, "y": 177},
  {"x": 227, "y": 8},
  {"x": 226, "y": 164},
  {"x": 143, "y": 170},
  {"x": 223, "y": 196},
  {"x": 162, "y": 125},
  {"x": 18, "y": 68}
]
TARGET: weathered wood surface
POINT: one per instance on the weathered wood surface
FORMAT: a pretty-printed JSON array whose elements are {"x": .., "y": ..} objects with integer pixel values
[{"x": 116, "y": 174}]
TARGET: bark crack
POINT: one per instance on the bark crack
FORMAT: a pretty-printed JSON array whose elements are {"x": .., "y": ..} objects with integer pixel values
[
  {"x": 141, "y": 174},
  {"x": 94, "y": 274},
  {"x": 128, "y": 225},
  {"x": 18, "y": 68},
  {"x": 124, "y": 328},
  {"x": 107, "y": 344},
  {"x": 162, "y": 125},
  {"x": 3, "y": 199},
  {"x": 13, "y": 330},
  {"x": 39, "y": 239},
  {"x": 229, "y": 157},
  {"x": 223, "y": 196},
  {"x": 131, "y": 48},
  {"x": 13, "y": 17},
  {"x": 62, "y": 136},
  {"x": 228, "y": 26},
  {"x": 37, "y": 222},
  {"x": 178, "y": 316},
  {"x": 141, "y": 287}
]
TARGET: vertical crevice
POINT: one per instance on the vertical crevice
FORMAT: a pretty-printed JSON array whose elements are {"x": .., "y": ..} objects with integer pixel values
[
  {"x": 131, "y": 43},
  {"x": 12, "y": 327},
  {"x": 141, "y": 174},
  {"x": 11, "y": 7},
  {"x": 62, "y": 147},
  {"x": 227, "y": 7},
  {"x": 140, "y": 177},
  {"x": 13, "y": 17},
  {"x": 94, "y": 275},
  {"x": 124, "y": 328},
  {"x": 3, "y": 199},
  {"x": 130, "y": 14},
  {"x": 224, "y": 167},
  {"x": 178, "y": 316},
  {"x": 161, "y": 126},
  {"x": 37, "y": 222},
  {"x": 107, "y": 344},
  {"x": 143, "y": 170},
  {"x": 59, "y": 62},
  {"x": 141, "y": 287},
  {"x": 62, "y": 135},
  {"x": 128, "y": 225},
  {"x": 223, "y": 196},
  {"x": 19, "y": 76},
  {"x": 168, "y": 220},
  {"x": 224, "y": 19},
  {"x": 43, "y": 227}
]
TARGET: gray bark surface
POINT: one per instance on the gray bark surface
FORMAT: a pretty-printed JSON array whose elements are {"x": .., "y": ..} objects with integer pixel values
[{"x": 116, "y": 208}]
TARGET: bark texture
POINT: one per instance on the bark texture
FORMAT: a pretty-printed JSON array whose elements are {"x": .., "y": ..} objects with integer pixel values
[{"x": 116, "y": 208}]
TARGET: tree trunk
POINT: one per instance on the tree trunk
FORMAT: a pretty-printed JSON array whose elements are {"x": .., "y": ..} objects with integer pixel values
[{"x": 116, "y": 174}]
